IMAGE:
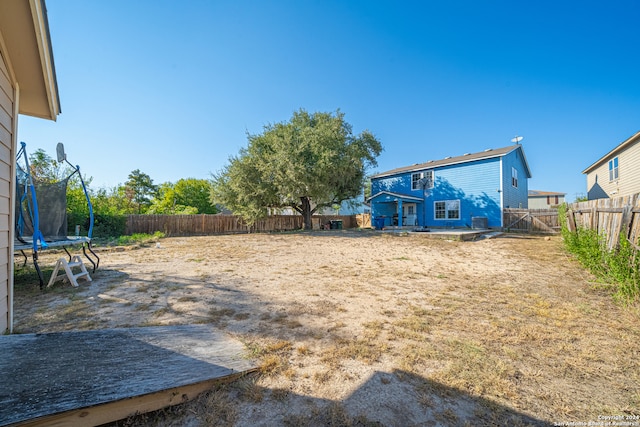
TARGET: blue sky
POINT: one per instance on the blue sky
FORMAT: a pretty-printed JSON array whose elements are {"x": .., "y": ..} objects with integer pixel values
[{"x": 172, "y": 87}]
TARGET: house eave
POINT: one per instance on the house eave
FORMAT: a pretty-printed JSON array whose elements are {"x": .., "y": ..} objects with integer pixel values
[
  {"x": 404, "y": 197},
  {"x": 25, "y": 33},
  {"x": 619, "y": 148}
]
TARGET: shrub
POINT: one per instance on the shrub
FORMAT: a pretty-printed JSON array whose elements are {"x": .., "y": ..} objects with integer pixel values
[
  {"x": 108, "y": 225},
  {"x": 619, "y": 266},
  {"x": 139, "y": 238}
]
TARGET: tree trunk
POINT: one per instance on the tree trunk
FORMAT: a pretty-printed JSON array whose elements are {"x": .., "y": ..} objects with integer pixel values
[{"x": 306, "y": 212}]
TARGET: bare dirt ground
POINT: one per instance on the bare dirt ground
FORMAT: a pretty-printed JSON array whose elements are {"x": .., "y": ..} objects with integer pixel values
[{"x": 367, "y": 328}]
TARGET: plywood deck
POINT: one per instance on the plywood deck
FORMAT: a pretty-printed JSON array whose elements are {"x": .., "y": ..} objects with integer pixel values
[{"x": 93, "y": 377}]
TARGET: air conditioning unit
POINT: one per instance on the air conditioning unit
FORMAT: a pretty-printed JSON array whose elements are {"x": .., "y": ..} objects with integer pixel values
[{"x": 479, "y": 222}]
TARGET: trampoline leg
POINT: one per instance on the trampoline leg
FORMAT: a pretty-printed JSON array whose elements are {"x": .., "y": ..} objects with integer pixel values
[
  {"x": 65, "y": 249},
  {"x": 97, "y": 262},
  {"x": 25, "y": 258},
  {"x": 35, "y": 264}
]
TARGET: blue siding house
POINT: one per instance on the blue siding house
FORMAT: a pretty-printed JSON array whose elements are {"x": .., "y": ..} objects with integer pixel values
[{"x": 452, "y": 191}]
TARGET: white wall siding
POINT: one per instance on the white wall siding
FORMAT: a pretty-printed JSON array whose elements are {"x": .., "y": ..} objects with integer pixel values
[
  {"x": 629, "y": 170},
  {"x": 7, "y": 130}
]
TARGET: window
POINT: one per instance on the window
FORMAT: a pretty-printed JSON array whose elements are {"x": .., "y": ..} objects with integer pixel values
[
  {"x": 514, "y": 177},
  {"x": 613, "y": 169},
  {"x": 447, "y": 209},
  {"x": 416, "y": 177}
]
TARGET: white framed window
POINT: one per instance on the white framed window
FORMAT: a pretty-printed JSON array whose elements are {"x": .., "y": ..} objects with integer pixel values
[
  {"x": 416, "y": 177},
  {"x": 613, "y": 169},
  {"x": 514, "y": 177},
  {"x": 447, "y": 209}
]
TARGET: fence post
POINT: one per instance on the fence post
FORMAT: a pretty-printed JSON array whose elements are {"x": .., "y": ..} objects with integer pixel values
[
  {"x": 571, "y": 220},
  {"x": 626, "y": 221}
]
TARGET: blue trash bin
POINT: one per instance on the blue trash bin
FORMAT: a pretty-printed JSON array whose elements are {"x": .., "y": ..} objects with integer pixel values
[{"x": 378, "y": 222}]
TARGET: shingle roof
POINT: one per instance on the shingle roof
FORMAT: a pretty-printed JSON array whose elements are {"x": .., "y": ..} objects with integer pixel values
[
  {"x": 536, "y": 193},
  {"x": 469, "y": 157}
]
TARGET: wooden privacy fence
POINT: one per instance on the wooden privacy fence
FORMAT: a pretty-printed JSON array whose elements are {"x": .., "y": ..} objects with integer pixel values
[
  {"x": 610, "y": 218},
  {"x": 531, "y": 220},
  {"x": 190, "y": 225}
]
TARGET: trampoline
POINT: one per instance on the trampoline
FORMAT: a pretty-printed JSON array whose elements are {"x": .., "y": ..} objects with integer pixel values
[{"x": 41, "y": 213}]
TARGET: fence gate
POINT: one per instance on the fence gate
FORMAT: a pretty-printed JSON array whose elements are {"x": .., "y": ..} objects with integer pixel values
[{"x": 531, "y": 220}]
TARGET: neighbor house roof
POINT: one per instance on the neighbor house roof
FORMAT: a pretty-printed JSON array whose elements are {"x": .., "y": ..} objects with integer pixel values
[
  {"x": 25, "y": 37},
  {"x": 536, "y": 193},
  {"x": 465, "y": 158},
  {"x": 622, "y": 146}
]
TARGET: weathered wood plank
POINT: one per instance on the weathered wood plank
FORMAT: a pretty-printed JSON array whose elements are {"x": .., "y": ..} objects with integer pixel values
[
  {"x": 542, "y": 225},
  {"x": 118, "y": 410},
  {"x": 50, "y": 375}
]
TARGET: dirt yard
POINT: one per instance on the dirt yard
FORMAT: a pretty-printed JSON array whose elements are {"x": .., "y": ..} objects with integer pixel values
[{"x": 369, "y": 328}]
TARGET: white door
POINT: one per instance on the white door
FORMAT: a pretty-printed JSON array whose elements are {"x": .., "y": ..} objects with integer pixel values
[{"x": 409, "y": 214}]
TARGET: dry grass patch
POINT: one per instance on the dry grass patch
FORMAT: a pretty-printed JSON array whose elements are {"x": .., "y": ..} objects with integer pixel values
[
  {"x": 333, "y": 414},
  {"x": 322, "y": 377},
  {"x": 273, "y": 356},
  {"x": 248, "y": 389},
  {"x": 419, "y": 358},
  {"x": 283, "y": 320},
  {"x": 407, "y": 330},
  {"x": 303, "y": 350},
  {"x": 364, "y": 350},
  {"x": 215, "y": 315},
  {"x": 217, "y": 408},
  {"x": 480, "y": 373}
]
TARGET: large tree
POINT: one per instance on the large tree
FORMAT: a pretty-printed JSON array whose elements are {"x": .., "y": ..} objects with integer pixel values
[
  {"x": 310, "y": 162},
  {"x": 139, "y": 189}
]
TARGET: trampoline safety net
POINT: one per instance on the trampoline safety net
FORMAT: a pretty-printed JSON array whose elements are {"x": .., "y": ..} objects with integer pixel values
[{"x": 52, "y": 210}]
